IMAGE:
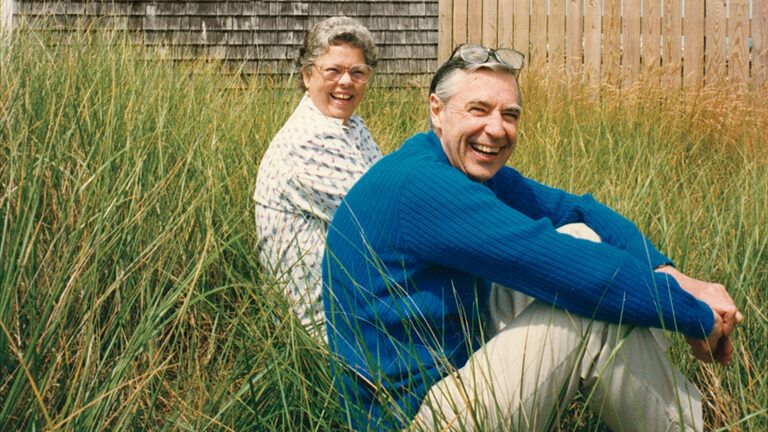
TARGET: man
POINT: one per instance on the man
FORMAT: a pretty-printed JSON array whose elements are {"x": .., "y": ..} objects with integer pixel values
[{"x": 412, "y": 250}]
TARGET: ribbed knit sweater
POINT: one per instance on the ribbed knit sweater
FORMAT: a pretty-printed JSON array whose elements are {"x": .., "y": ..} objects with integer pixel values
[{"x": 410, "y": 252}]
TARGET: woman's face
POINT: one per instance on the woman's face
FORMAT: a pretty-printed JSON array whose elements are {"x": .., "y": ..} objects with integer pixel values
[{"x": 336, "y": 82}]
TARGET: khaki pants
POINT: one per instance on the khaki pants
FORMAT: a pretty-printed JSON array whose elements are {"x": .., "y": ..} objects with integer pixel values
[{"x": 525, "y": 376}]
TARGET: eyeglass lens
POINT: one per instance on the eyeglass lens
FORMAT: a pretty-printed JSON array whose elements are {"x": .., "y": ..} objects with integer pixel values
[
  {"x": 357, "y": 72},
  {"x": 478, "y": 54},
  {"x": 511, "y": 57}
]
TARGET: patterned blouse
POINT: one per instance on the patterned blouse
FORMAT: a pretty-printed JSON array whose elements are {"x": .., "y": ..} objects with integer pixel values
[{"x": 308, "y": 168}]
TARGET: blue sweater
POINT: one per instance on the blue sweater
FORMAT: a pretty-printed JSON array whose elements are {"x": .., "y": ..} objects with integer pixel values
[{"x": 410, "y": 252}]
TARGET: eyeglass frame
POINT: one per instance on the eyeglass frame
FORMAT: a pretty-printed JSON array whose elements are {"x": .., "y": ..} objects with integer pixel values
[{"x": 346, "y": 70}]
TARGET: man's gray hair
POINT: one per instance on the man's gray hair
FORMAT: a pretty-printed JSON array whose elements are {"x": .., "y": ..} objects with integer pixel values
[
  {"x": 335, "y": 31},
  {"x": 446, "y": 82}
]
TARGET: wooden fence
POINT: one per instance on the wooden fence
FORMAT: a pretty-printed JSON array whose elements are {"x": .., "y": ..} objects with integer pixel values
[{"x": 617, "y": 42}]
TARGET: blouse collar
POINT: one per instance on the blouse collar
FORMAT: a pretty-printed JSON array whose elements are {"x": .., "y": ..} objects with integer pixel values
[{"x": 306, "y": 103}]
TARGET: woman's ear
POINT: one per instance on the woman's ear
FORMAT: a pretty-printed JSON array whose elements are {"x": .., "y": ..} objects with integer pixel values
[{"x": 305, "y": 74}]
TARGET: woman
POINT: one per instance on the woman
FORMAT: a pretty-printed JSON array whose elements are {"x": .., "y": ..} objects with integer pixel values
[{"x": 314, "y": 160}]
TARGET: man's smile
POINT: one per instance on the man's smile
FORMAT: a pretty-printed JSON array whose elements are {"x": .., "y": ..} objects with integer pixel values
[{"x": 486, "y": 149}]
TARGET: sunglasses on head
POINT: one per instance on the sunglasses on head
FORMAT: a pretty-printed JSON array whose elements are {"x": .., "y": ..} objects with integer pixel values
[{"x": 477, "y": 54}]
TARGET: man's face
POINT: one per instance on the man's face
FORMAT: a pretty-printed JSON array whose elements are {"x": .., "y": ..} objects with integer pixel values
[{"x": 478, "y": 125}]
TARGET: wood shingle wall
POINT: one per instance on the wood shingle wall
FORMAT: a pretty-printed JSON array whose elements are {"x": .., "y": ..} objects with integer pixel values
[{"x": 263, "y": 36}]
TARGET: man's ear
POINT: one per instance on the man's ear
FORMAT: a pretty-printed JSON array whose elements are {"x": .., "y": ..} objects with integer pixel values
[{"x": 436, "y": 108}]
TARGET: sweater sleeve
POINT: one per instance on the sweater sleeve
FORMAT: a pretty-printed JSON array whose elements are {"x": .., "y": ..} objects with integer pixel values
[
  {"x": 540, "y": 201},
  {"x": 451, "y": 221}
]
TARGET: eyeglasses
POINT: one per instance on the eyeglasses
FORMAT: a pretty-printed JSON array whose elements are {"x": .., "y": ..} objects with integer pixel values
[
  {"x": 358, "y": 73},
  {"x": 477, "y": 54}
]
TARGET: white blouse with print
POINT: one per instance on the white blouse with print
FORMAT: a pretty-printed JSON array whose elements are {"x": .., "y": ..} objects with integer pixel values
[{"x": 308, "y": 168}]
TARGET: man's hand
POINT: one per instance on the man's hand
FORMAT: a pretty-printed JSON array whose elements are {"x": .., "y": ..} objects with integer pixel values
[{"x": 718, "y": 346}]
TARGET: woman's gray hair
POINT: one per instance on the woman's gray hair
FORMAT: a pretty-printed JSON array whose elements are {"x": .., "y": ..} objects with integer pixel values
[{"x": 335, "y": 31}]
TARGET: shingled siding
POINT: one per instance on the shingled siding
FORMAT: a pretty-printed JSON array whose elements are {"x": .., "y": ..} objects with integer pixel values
[{"x": 264, "y": 36}]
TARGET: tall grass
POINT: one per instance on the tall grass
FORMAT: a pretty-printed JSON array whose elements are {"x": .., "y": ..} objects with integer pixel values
[{"x": 130, "y": 296}]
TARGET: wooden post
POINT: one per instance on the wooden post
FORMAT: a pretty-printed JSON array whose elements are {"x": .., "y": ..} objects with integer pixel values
[
  {"x": 612, "y": 43},
  {"x": 738, "y": 41},
  {"x": 693, "y": 55},
  {"x": 506, "y": 24},
  {"x": 759, "y": 43},
  {"x": 714, "y": 67},
  {"x": 673, "y": 33},
  {"x": 490, "y": 29},
  {"x": 459, "y": 22},
  {"x": 522, "y": 29},
  {"x": 538, "y": 57},
  {"x": 444, "y": 30},
  {"x": 573, "y": 40},
  {"x": 475, "y": 21},
  {"x": 556, "y": 35},
  {"x": 630, "y": 63},
  {"x": 592, "y": 41},
  {"x": 6, "y": 18},
  {"x": 651, "y": 55}
]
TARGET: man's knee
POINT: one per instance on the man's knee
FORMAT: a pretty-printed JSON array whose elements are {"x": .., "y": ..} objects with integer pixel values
[
  {"x": 580, "y": 231},
  {"x": 542, "y": 323}
]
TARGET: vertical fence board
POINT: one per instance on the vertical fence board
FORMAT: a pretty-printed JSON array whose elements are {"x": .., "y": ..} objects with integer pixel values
[
  {"x": 759, "y": 43},
  {"x": 672, "y": 29},
  {"x": 538, "y": 32},
  {"x": 556, "y": 39},
  {"x": 612, "y": 43},
  {"x": 506, "y": 24},
  {"x": 714, "y": 33},
  {"x": 651, "y": 50},
  {"x": 490, "y": 30},
  {"x": 738, "y": 40},
  {"x": 6, "y": 19},
  {"x": 573, "y": 35},
  {"x": 693, "y": 49},
  {"x": 630, "y": 59},
  {"x": 444, "y": 30},
  {"x": 522, "y": 27},
  {"x": 592, "y": 41},
  {"x": 475, "y": 21},
  {"x": 459, "y": 22}
]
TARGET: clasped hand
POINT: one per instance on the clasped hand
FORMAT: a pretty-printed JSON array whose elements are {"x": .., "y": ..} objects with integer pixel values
[{"x": 718, "y": 346}]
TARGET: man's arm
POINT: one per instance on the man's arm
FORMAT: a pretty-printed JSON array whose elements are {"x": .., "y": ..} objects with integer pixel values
[
  {"x": 718, "y": 346},
  {"x": 538, "y": 201},
  {"x": 449, "y": 220},
  {"x": 561, "y": 207}
]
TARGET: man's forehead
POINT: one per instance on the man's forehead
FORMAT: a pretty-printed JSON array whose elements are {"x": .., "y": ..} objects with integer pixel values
[
  {"x": 488, "y": 86},
  {"x": 510, "y": 105}
]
